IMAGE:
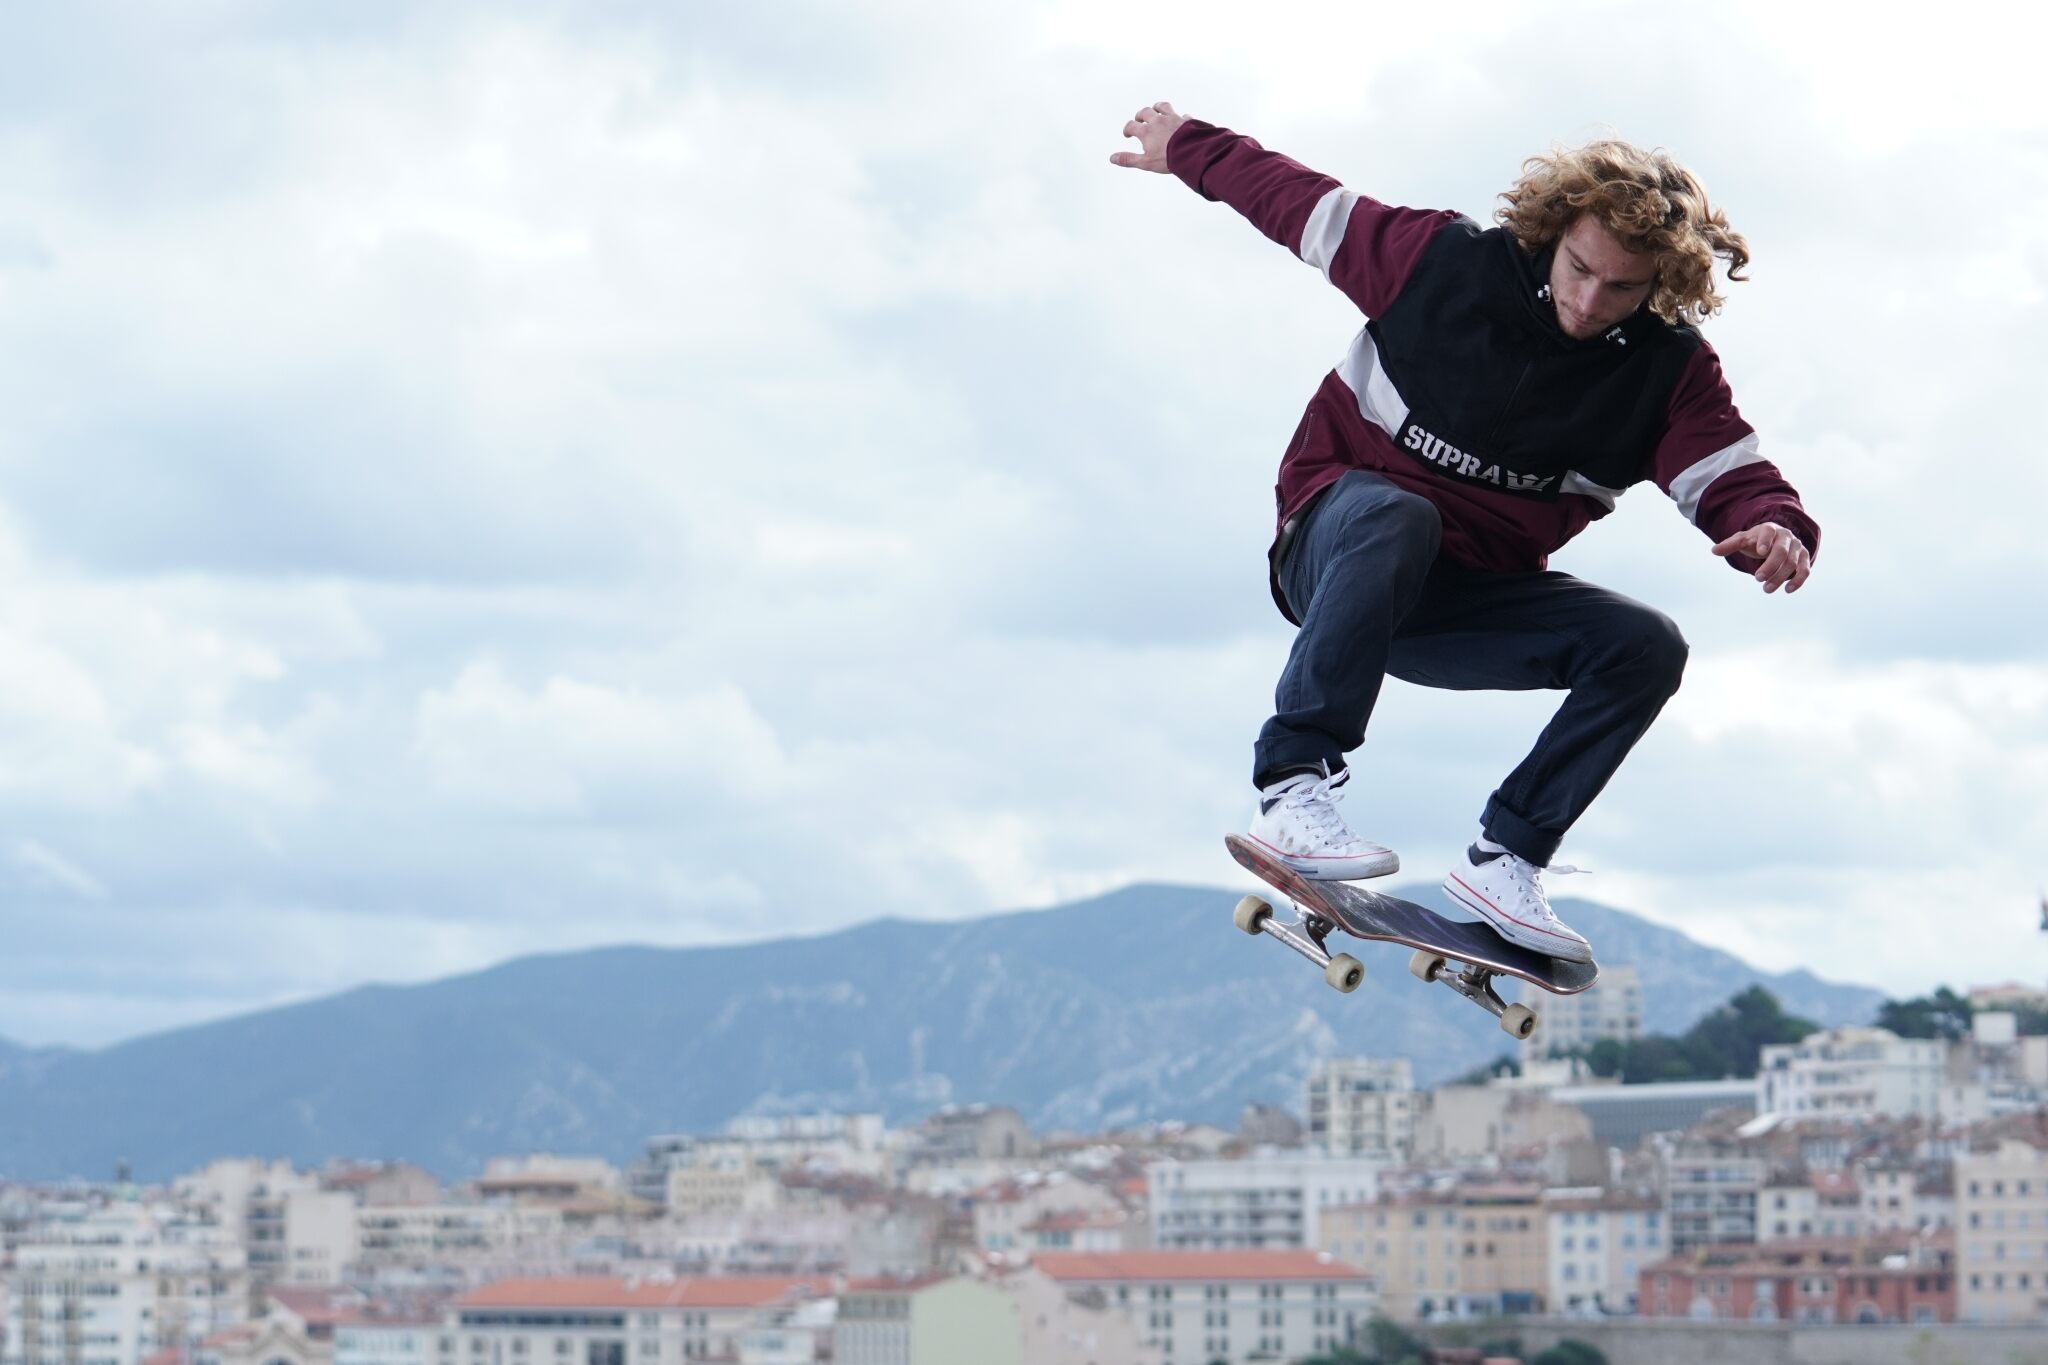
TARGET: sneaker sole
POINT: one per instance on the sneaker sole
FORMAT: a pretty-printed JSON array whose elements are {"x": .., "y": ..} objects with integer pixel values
[
  {"x": 1332, "y": 869},
  {"x": 1513, "y": 930}
]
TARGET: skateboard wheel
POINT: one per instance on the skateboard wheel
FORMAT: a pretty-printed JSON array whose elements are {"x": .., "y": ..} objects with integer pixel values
[
  {"x": 1518, "y": 1021},
  {"x": 1252, "y": 914},
  {"x": 1426, "y": 965},
  {"x": 1344, "y": 972}
]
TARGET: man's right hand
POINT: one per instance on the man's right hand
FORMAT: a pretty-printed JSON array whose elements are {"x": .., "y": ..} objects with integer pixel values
[{"x": 1153, "y": 126}]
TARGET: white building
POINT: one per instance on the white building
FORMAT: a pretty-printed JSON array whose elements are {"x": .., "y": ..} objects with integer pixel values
[
  {"x": 1710, "y": 1198},
  {"x": 1599, "y": 1243},
  {"x": 114, "y": 1286},
  {"x": 1195, "y": 1307},
  {"x": 471, "y": 1237},
  {"x": 788, "y": 1241},
  {"x": 1853, "y": 1073},
  {"x": 853, "y": 1143},
  {"x": 1267, "y": 1201},
  {"x": 1611, "y": 1008},
  {"x": 610, "y": 1320},
  {"x": 1362, "y": 1107},
  {"x": 2002, "y": 1235}
]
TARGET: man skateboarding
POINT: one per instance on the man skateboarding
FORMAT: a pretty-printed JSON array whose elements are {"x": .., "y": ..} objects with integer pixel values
[{"x": 1509, "y": 385}]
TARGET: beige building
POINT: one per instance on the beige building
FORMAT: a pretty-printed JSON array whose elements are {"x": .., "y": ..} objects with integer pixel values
[
  {"x": 1460, "y": 1123},
  {"x": 1827, "y": 1204},
  {"x": 1194, "y": 1307},
  {"x": 2002, "y": 1234},
  {"x": 1471, "y": 1251},
  {"x": 610, "y": 1320}
]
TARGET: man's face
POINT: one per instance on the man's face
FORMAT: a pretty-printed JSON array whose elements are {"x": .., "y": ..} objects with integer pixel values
[{"x": 1595, "y": 281}]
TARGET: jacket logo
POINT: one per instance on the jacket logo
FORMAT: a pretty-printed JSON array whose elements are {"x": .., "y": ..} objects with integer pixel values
[{"x": 1460, "y": 464}]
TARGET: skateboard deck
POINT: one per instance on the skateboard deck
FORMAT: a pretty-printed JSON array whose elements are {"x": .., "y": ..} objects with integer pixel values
[{"x": 1479, "y": 952}]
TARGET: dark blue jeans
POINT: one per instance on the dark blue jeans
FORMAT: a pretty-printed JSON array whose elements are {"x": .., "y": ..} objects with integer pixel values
[{"x": 1374, "y": 597}]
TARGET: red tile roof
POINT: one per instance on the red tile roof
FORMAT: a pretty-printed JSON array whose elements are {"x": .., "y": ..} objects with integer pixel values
[
  {"x": 892, "y": 1286},
  {"x": 614, "y": 1291},
  {"x": 1194, "y": 1265}
]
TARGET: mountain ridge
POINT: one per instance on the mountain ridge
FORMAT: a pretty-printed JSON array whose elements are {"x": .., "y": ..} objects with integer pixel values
[{"x": 1140, "y": 1003}]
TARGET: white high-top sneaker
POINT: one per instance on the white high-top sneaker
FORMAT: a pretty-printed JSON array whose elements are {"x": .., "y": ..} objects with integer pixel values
[
  {"x": 1297, "y": 822},
  {"x": 1503, "y": 890}
]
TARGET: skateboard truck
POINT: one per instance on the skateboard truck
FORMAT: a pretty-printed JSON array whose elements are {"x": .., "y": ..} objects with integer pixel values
[{"x": 1308, "y": 933}]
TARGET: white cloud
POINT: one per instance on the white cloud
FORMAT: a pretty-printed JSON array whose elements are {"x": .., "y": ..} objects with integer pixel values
[
  {"x": 498, "y": 479},
  {"x": 573, "y": 747}
]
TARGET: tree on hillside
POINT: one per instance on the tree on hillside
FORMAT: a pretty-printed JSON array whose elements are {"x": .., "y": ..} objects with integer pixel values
[
  {"x": 1944, "y": 1014},
  {"x": 1724, "y": 1043}
]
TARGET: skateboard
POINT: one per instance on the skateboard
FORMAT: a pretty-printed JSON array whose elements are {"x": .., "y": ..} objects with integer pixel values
[{"x": 1476, "y": 950}]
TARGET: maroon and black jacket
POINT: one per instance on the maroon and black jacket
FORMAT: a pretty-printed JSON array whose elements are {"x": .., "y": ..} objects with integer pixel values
[{"x": 1462, "y": 387}]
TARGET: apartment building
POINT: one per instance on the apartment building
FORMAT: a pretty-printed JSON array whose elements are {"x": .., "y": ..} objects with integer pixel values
[
  {"x": 294, "y": 1230},
  {"x": 1268, "y": 1201},
  {"x": 113, "y": 1286},
  {"x": 1825, "y": 1204},
  {"x": 1854, "y": 1073},
  {"x": 655, "y": 1319},
  {"x": 476, "y": 1238},
  {"x": 1471, "y": 1251},
  {"x": 1710, "y": 1196},
  {"x": 1195, "y": 1307},
  {"x": 1612, "y": 1008},
  {"x": 1840, "y": 1280},
  {"x": 2002, "y": 1234},
  {"x": 1362, "y": 1107},
  {"x": 1599, "y": 1243}
]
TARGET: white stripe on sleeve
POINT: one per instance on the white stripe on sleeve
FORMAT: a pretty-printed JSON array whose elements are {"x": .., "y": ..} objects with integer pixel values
[
  {"x": 1325, "y": 230},
  {"x": 1690, "y": 486},
  {"x": 1379, "y": 402},
  {"x": 1586, "y": 488}
]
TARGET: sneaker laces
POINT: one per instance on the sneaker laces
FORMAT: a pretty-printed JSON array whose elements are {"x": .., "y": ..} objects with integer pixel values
[
  {"x": 1316, "y": 803},
  {"x": 1530, "y": 889}
]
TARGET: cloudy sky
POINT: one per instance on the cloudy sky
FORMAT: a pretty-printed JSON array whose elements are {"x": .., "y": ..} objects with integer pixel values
[{"x": 479, "y": 479}]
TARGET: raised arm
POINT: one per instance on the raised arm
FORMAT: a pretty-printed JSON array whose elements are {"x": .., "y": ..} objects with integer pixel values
[
  {"x": 1364, "y": 247},
  {"x": 1710, "y": 464}
]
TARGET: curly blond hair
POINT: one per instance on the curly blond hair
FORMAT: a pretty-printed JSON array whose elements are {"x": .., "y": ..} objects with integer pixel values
[{"x": 1646, "y": 199}]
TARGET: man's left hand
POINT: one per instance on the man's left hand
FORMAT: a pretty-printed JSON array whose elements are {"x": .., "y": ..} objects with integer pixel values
[{"x": 1786, "y": 564}]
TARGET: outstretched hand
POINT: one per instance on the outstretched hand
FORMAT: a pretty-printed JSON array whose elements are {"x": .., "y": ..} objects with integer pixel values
[
  {"x": 1786, "y": 562},
  {"x": 1153, "y": 127}
]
